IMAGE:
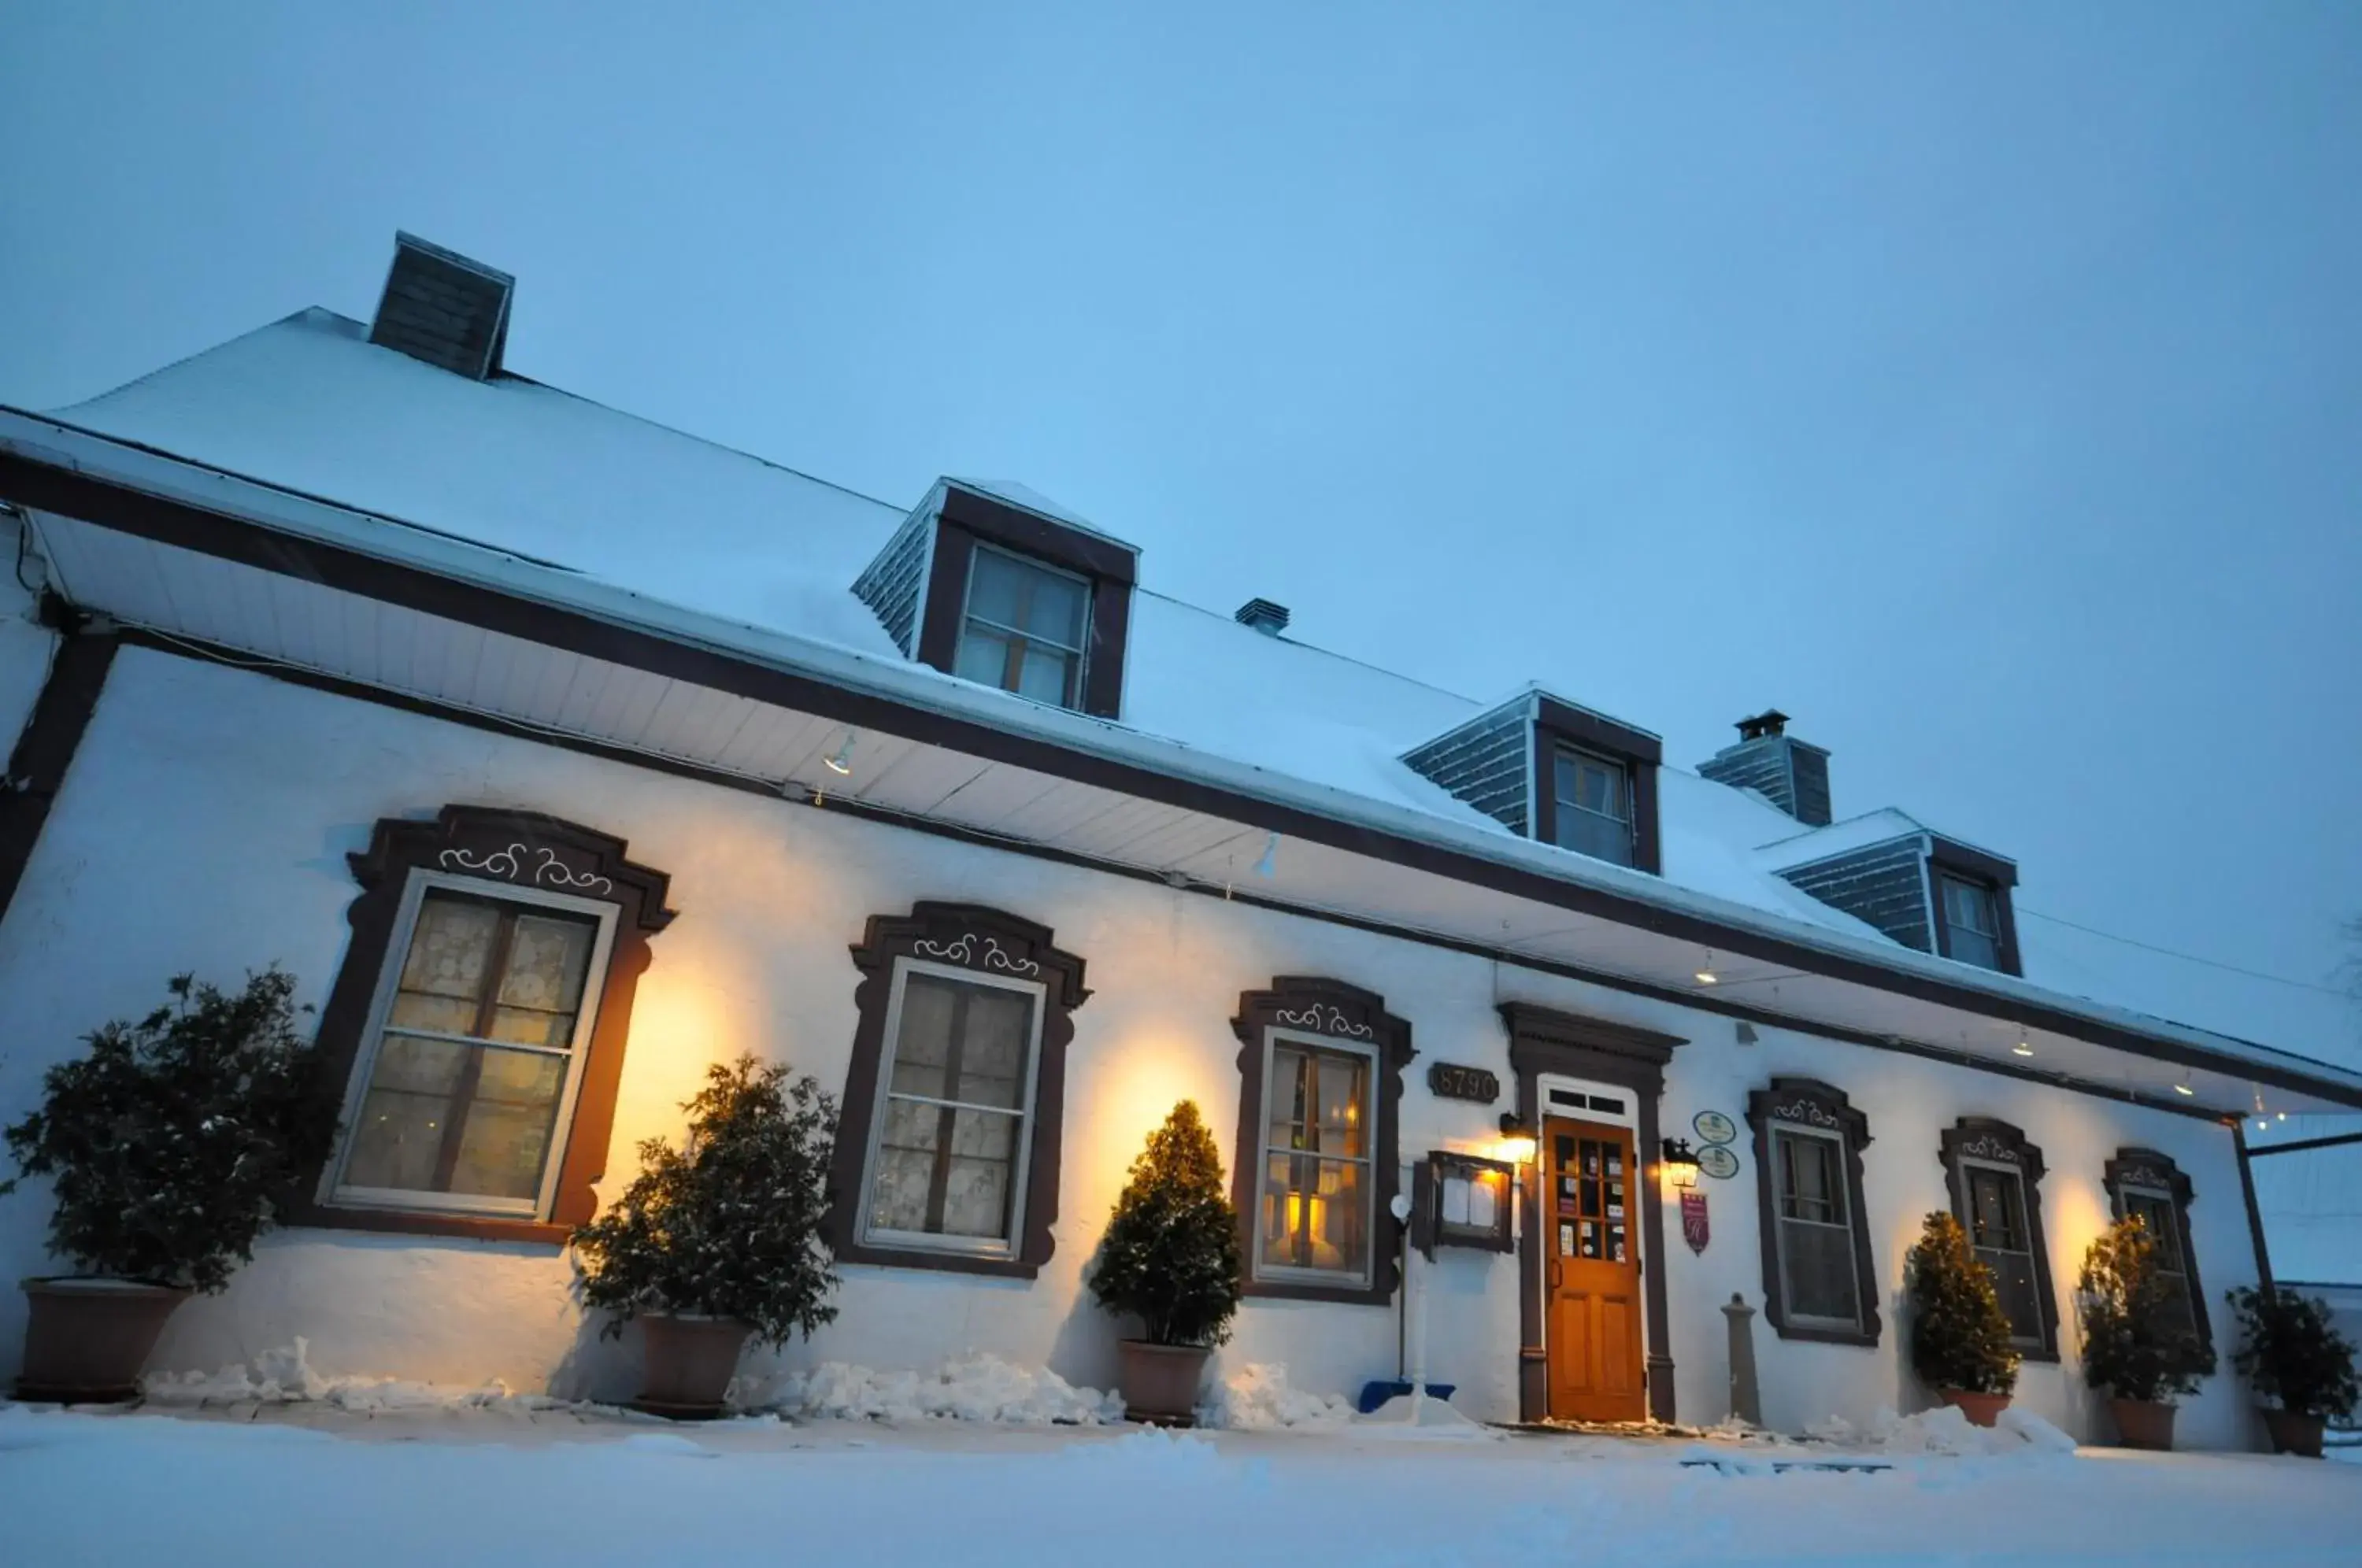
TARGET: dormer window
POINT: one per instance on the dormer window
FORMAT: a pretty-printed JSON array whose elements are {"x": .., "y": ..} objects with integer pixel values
[
  {"x": 1972, "y": 922},
  {"x": 1548, "y": 770},
  {"x": 996, "y": 585},
  {"x": 1595, "y": 805},
  {"x": 1025, "y": 627}
]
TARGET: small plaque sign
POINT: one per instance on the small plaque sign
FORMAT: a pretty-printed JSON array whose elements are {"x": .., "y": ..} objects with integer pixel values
[
  {"x": 1449, "y": 1080},
  {"x": 1694, "y": 1229},
  {"x": 1716, "y": 1161},
  {"x": 1714, "y": 1127}
]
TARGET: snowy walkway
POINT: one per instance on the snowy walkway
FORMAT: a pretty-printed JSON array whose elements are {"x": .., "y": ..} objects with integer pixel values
[{"x": 309, "y": 1483}]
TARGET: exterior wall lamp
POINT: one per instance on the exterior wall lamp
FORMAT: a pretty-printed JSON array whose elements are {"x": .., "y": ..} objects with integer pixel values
[
  {"x": 1680, "y": 1162},
  {"x": 1519, "y": 1143}
]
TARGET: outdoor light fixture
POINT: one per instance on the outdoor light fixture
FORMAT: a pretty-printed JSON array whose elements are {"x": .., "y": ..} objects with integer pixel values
[
  {"x": 2182, "y": 1086},
  {"x": 1269, "y": 865},
  {"x": 842, "y": 761},
  {"x": 2021, "y": 1048},
  {"x": 1519, "y": 1144},
  {"x": 1678, "y": 1163},
  {"x": 1706, "y": 975}
]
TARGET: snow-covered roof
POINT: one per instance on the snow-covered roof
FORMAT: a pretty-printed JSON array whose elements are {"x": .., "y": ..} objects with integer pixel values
[
  {"x": 308, "y": 404},
  {"x": 1884, "y": 825}
]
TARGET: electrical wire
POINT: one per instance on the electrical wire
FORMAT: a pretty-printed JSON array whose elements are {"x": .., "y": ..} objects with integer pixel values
[{"x": 2186, "y": 958}]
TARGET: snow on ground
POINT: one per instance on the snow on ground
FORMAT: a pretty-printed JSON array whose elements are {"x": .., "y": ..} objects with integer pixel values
[{"x": 299, "y": 1482}]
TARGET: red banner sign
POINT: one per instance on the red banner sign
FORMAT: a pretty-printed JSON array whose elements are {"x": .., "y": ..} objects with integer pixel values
[{"x": 1694, "y": 1222}]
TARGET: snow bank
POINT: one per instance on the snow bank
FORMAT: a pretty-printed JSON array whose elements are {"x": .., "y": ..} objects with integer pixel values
[
  {"x": 1436, "y": 1421},
  {"x": 286, "y": 1376},
  {"x": 1258, "y": 1398},
  {"x": 1946, "y": 1431},
  {"x": 974, "y": 1388}
]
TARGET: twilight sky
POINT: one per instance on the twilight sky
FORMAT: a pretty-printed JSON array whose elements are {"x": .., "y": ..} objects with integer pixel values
[{"x": 1982, "y": 385}]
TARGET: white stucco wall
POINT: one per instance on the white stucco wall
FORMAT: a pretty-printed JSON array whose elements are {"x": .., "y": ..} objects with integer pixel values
[{"x": 205, "y": 825}]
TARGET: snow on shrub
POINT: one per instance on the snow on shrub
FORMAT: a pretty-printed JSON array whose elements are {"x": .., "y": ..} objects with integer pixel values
[
  {"x": 1258, "y": 1398},
  {"x": 1946, "y": 1431}
]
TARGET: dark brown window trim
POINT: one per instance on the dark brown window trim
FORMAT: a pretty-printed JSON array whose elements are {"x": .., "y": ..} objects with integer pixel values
[
  {"x": 495, "y": 846},
  {"x": 2157, "y": 1173},
  {"x": 968, "y": 519},
  {"x": 1558, "y": 725},
  {"x": 1995, "y": 874},
  {"x": 989, "y": 942},
  {"x": 1808, "y": 1102},
  {"x": 1544, "y": 1040},
  {"x": 1346, "y": 1012},
  {"x": 52, "y": 734},
  {"x": 1988, "y": 1138},
  {"x": 225, "y": 537}
]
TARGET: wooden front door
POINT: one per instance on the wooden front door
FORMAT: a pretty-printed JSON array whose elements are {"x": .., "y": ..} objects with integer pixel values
[{"x": 1592, "y": 1279}]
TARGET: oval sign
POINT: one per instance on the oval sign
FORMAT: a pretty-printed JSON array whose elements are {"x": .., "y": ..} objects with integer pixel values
[
  {"x": 1716, "y": 1161},
  {"x": 1714, "y": 1127}
]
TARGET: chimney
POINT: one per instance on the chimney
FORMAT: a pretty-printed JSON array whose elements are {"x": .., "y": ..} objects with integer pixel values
[
  {"x": 1263, "y": 616},
  {"x": 442, "y": 308},
  {"x": 1793, "y": 775}
]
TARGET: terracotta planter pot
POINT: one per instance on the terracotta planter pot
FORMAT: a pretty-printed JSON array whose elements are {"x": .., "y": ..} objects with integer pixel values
[
  {"x": 88, "y": 1340},
  {"x": 690, "y": 1364},
  {"x": 1160, "y": 1381},
  {"x": 1982, "y": 1410},
  {"x": 2144, "y": 1423},
  {"x": 2294, "y": 1433}
]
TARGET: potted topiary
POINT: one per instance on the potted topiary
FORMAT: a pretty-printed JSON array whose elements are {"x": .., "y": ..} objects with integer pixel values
[
  {"x": 2297, "y": 1359},
  {"x": 1959, "y": 1335},
  {"x": 2133, "y": 1345},
  {"x": 720, "y": 1240},
  {"x": 1171, "y": 1259},
  {"x": 172, "y": 1145}
]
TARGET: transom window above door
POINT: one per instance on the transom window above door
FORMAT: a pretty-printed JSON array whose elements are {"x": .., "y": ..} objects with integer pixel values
[
  {"x": 1025, "y": 627},
  {"x": 1594, "y": 806},
  {"x": 474, "y": 1062},
  {"x": 946, "y": 1164}
]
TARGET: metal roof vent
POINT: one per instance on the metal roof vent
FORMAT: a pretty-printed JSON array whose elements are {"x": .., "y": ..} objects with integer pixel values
[
  {"x": 442, "y": 308},
  {"x": 1263, "y": 616}
]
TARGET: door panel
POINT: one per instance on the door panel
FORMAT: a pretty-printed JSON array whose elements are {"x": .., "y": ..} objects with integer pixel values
[{"x": 1592, "y": 1276}]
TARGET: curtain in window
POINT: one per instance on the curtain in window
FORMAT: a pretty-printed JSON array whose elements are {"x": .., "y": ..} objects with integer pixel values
[
  {"x": 1816, "y": 1231},
  {"x": 1317, "y": 1191},
  {"x": 955, "y": 1115},
  {"x": 471, "y": 1068}
]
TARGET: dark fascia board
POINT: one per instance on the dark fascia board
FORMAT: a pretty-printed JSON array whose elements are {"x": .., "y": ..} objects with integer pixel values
[
  {"x": 1035, "y": 534},
  {"x": 1583, "y": 727},
  {"x": 52, "y": 488}
]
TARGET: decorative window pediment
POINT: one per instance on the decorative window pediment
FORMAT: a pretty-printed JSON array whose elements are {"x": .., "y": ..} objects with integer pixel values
[
  {"x": 947, "y": 1153},
  {"x": 1820, "y": 1279},
  {"x": 1314, "y": 1170},
  {"x": 480, "y": 1021}
]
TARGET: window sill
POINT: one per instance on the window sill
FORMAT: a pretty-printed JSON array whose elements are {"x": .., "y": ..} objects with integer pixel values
[
  {"x": 1858, "y": 1337},
  {"x": 944, "y": 1263},
  {"x": 1298, "y": 1290},
  {"x": 416, "y": 1222}
]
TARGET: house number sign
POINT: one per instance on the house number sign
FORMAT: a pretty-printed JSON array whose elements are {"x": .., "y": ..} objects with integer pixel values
[{"x": 1449, "y": 1080}]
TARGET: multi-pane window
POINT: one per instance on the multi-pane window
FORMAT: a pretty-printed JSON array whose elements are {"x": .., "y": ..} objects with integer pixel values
[
  {"x": 947, "y": 1152},
  {"x": 470, "y": 1072},
  {"x": 1816, "y": 1229},
  {"x": 1024, "y": 628},
  {"x": 1315, "y": 1216},
  {"x": 2003, "y": 1241},
  {"x": 1594, "y": 806},
  {"x": 1973, "y": 925},
  {"x": 2159, "y": 1215}
]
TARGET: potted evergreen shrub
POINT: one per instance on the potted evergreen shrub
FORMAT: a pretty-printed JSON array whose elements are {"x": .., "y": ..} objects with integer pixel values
[
  {"x": 170, "y": 1145},
  {"x": 2132, "y": 1347},
  {"x": 2295, "y": 1358},
  {"x": 1171, "y": 1259},
  {"x": 1959, "y": 1335},
  {"x": 721, "y": 1240}
]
